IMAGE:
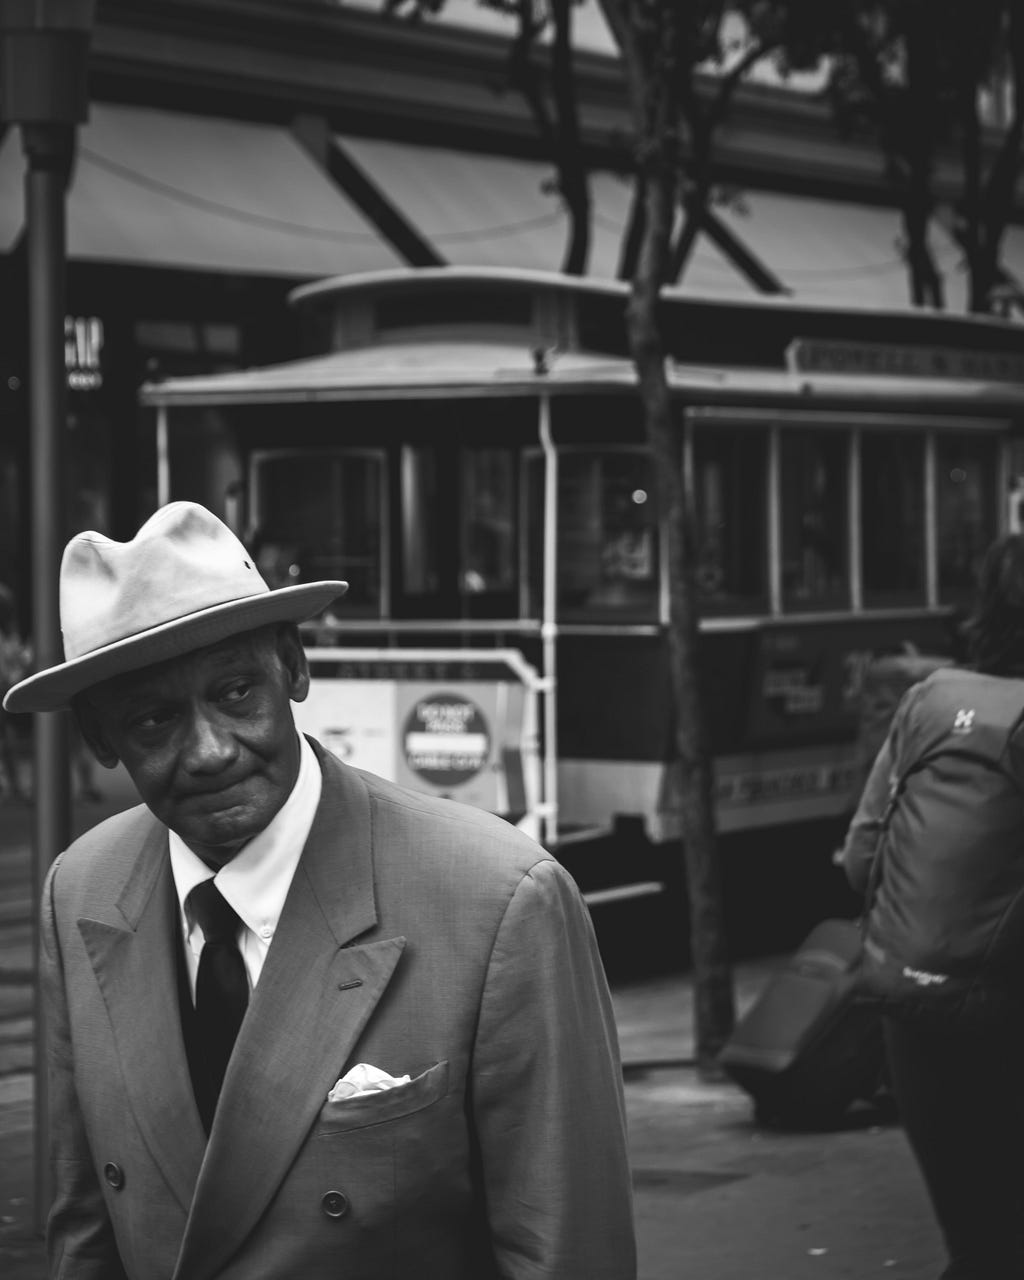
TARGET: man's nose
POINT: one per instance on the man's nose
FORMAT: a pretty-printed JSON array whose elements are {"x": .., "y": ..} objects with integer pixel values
[{"x": 209, "y": 747}]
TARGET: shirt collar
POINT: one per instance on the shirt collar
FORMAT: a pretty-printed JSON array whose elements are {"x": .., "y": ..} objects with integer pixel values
[{"x": 256, "y": 880}]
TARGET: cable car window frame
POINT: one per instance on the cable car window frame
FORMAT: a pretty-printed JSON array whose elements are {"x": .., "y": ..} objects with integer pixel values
[
  {"x": 533, "y": 474},
  {"x": 258, "y": 457},
  {"x": 923, "y": 442},
  {"x": 931, "y": 428},
  {"x": 691, "y": 424},
  {"x": 448, "y": 598},
  {"x": 997, "y": 483}
]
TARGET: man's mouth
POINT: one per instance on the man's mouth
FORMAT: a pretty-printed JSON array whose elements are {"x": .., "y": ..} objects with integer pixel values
[{"x": 213, "y": 799}]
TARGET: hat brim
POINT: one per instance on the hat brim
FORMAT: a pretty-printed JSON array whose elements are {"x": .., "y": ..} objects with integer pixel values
[{"x": 52, "y": 689}]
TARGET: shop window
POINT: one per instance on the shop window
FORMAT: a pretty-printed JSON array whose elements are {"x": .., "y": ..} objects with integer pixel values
[
  {"x": 813, "y": 475},
  {"x": 965, "y": 509},
  {"x": 729, "y": 493},
  {"x": 320, "y": 517},
  {"x": 892, "y": 519},
  {"x": 608, "y": 556},
  {"x": 169, "y": 347}
]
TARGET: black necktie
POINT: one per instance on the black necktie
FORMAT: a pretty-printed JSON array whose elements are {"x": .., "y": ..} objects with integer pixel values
[{"x": 222, "y": 993}]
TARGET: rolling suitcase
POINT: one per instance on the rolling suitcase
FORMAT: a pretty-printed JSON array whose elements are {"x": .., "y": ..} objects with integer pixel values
[{"x": 807, "y": 1048}]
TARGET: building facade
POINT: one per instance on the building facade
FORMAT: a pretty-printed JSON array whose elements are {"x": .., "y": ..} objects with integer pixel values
[{"x": 238, "y": 148}]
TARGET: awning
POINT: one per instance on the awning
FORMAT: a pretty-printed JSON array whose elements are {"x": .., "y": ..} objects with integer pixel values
[
  {"x": 164, "y": 188},
  {"x": 490, "y": 211},
  {"x": 479, "y": 210},
  {"x": 841, "y": 253}
]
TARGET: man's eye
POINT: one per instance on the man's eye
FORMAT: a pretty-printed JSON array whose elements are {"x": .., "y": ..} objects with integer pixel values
[
  {"x": 155, "y": 719},
  {"x": 235, "y": 692}
]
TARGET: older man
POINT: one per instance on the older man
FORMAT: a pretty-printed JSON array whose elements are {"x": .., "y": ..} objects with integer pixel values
[{"x": 302, "y": 1023}]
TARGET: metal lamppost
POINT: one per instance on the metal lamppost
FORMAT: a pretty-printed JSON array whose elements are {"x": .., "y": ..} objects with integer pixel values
[{"x": 44, "y": 51}]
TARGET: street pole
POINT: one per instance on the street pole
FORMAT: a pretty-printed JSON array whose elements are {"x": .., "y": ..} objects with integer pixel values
[
  {"x": 44, "y": 47},
  {"x": 48, "y": 151}
]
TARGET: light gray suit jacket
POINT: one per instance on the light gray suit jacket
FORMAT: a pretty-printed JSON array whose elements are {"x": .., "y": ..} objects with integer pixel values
[{"x": 419, "y": 935}]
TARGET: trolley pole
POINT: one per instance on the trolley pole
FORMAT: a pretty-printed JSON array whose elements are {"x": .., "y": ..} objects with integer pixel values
[{"x": 44, "y": 47}]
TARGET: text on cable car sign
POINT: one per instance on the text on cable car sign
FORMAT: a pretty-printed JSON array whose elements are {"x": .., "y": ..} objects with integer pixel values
[
  {"x": 813, "y": 355},
  {"x": 446, "y": 739}
]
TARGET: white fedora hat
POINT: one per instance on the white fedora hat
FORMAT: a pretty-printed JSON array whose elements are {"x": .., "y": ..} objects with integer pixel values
[{"x": 184, "y": 581}]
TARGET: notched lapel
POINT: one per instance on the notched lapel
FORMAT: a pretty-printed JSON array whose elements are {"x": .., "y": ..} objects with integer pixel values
[{"x": 136, "y": 974}]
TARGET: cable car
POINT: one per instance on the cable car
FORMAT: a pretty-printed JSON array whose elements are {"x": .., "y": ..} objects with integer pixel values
[{"x": 467, "y": 448}]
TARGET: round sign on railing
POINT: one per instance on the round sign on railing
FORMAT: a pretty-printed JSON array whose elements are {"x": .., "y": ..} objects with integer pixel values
[{"x": 446, "y": 739}]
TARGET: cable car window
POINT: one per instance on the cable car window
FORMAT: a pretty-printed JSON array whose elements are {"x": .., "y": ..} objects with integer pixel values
[
  {"x": 892, "y": 519},
  {"x": 813, "y": 472},
  {"x": 729, "y": 470},
  {"x": 320, "y": 517},
  {"x": 965, "y": 509},
  {"x": 608, "y": 557},
  {"x": 459, "y": 540},
  {"x": 487, "y": 531}
]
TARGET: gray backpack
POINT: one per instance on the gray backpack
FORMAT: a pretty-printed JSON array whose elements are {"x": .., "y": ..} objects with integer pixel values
[{"x": 944, "y": 928}]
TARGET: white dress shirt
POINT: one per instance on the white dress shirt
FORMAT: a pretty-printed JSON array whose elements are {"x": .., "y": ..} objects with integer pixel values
[{"x": 256, "y": 880}]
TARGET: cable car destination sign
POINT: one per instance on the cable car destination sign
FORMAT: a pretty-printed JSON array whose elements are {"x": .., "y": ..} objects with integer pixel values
[
  {"x": 815, "y": 355},
  {"x": 446, "y": 739},
  {"x": 454, "y": 722}
]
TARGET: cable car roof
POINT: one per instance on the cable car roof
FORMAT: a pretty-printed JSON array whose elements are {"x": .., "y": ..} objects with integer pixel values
[
  {"x": 416, "y": 370},
  {"x": 427, "y": 280}
]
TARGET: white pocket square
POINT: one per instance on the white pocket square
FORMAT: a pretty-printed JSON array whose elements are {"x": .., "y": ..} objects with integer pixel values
[{"x": 363, "y": 1079}]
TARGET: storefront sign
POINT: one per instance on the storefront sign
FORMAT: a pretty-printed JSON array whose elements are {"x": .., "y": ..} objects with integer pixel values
[
  {"x": 813, "y": 355},
  {"x": 83, "y": 346}
]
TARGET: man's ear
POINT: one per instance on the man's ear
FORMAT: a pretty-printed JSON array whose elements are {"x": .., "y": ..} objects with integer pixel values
[
  {"x": 90, "y": 726},
  {"x": 293, "y": 659}
]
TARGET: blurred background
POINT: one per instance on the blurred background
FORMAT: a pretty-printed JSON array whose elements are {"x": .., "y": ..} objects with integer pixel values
[{"x": 355, "y": 276}]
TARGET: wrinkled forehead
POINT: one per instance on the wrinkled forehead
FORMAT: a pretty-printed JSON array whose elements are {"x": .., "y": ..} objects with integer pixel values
[{"x": 248, "y": 649}]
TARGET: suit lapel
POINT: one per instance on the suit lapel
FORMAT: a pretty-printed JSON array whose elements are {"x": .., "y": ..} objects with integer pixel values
[
  {"x": 315, "y": 995},
  {"x": 133, "y": 959}
]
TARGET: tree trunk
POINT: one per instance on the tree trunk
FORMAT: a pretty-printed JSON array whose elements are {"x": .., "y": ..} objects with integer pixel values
[
  {"x": 651, "y": 40},
  {"x": 633, "y": 234},
  {"x": 925, "y": 281},
  {"x": 572, "y": 167},
  {"x": 713, "y": 991}
]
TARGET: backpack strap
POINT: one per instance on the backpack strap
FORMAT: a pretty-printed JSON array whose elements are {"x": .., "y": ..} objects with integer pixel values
[{"x": 875, "y": 874}]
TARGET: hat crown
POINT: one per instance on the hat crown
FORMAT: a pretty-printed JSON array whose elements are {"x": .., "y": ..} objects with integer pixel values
[{"x": 181, "y": 561}]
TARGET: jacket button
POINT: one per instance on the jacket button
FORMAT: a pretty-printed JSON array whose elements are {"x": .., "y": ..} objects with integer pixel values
[
  {"x": 114, "y": 1175},
  {"x": 334, "y": 1204}
]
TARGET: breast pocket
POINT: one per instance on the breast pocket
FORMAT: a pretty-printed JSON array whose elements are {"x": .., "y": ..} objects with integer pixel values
[
  {"x": 401, "y": 1157},
  {"x": 389, "y": 1104}
]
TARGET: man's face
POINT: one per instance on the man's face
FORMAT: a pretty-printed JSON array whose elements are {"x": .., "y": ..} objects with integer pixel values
[{"x": 208, "y": 738}]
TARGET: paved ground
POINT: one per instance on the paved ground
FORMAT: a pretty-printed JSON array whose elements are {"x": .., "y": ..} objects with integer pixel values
[{"x": 717, "y": 1198}]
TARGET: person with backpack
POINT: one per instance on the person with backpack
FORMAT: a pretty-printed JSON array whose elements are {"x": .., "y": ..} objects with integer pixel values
[{"x": 937, "y": 848}]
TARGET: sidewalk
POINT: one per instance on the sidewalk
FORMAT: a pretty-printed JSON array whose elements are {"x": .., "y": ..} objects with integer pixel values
[{"x": 718, "y": 1198}]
